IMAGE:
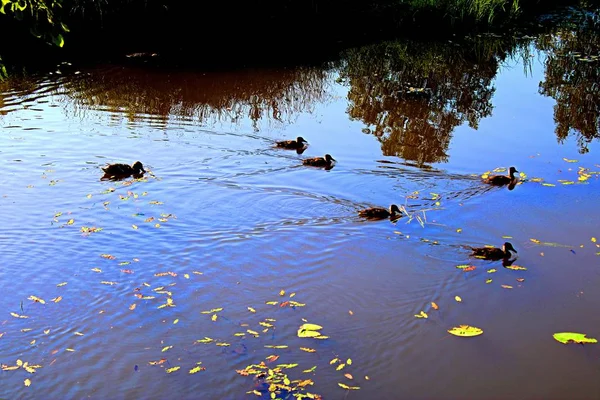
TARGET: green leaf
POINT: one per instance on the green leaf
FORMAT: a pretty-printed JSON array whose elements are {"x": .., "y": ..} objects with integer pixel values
[
  {"x": 3, "y": 4},
  {"x": 58, "y": 40},
  {"x": 571, "y": 337}
]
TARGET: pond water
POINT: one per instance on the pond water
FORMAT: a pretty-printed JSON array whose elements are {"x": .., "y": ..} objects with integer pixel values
[{"x": 134, "y": 273}]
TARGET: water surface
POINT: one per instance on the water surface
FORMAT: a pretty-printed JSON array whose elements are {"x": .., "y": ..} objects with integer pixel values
[{"x": 225, "y": 220}]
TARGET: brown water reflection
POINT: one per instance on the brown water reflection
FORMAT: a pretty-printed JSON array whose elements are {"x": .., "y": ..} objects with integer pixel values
[
  {"x": 420, "y": 94},
  {"x": 573, "y": 79},
  {"x": 278, "y": 94}
]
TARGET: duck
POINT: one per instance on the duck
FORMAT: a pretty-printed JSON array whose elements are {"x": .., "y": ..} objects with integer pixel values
[
  {"x": 326, "y": 161},
  {"x": 299, "y": 143},
  {"x": 494, "y": 253},
  {"x": 121, "y": 171},
  {"x": 501, "y": 180},
  {"x": 377, "y": 213}
]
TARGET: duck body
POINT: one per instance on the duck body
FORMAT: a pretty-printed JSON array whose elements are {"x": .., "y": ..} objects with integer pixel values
[
  {"x": 297, "y": 144},
  {"x": 378, "y": 213},
  {"x": 326, "y": 161},
  {"x": 121, "y": 171},
  {"x": 501, "y": 180},
  {"x": 494, "y": 253}
]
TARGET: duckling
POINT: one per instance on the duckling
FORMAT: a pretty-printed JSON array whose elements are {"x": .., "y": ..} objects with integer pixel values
[
  {"x": 299, "y": 143},
  {"x": 326, "y": 161},
  {"x": 122, "y": 171},
  {"x": 501, "y": 180},
  {"x": 494, "y": 253},
  {"x": 377, "y": 213}
]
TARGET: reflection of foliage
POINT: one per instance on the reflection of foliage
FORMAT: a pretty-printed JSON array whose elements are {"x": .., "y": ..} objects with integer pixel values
[
  {"x": 413, "y": 95},
  {"x": 276, "y": 94},
  {"x": 573, "y": 79}
]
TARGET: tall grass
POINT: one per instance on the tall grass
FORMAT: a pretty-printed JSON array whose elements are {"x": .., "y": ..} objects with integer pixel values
[{"x": 481, "y": 11}]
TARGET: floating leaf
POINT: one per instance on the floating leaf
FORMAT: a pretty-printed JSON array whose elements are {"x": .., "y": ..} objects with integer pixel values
[
  {"x": 465, "y": 330},
  {"x": 61, "y": 284},
  {"x": 307, "y": 349},
  {"x": 457, "y": 298},
  {"x": 569, "y": 161},
  {"x": 488, "y": 281},
  {"x": 520, "y": 279},
  {"x": 252, "y": 310},
  {"x": 491, "y": 271},
  {"x": 349, "y": 376},
  {"x": 572, "y": 337},
  {"x": 312, "y": 369},
  {"x": 422, "y": 314},
  {"x": 198, "y": 369},
  {"x": 214, "y": 317},
  {"x": 339, "y": 367},
  {"x": 506, "y": 286},
  {"x": 516, "y": 267},
  {"x": 27, "y": 382},
  {"x": 36, "y": 299},
  {"x": 173, "y": 369}
]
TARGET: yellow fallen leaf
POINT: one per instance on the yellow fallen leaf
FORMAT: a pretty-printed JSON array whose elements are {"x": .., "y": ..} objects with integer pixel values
[
  {"x": 434, "y": 306},
  {"x": 457, "y": 298},
  {"x": 251, "y": 309},
  {"x": 173, "y": 369},
  {"x": 349, "y": 376},
  {"x": 27, "y": 382},
  {"x": 465, "y": 330},
  {"x": 334, "y": 361},
  {"x": 282, "y": 292},
  {"x": 214, "y": 317},
  {"x": 134, "y": 226},
  {"x": 339, "y": 367},
  {"x": 307, "y": 349}
]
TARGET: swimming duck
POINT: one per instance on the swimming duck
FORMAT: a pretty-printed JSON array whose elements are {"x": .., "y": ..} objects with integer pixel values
[
  {"x": 501, "y": 180},
  {"x": 121, "y": 171},
  {"x": 326, "y": 161},
  {"x": 376, "y": 213},
  {"x": 494, "y": 253},
  {"x": 299, "y": 143}
]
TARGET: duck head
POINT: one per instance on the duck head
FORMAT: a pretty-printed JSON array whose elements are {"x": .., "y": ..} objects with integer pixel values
[
  {"x": 138, "y": 167},
  {"x": 300, "y": 139},
  {"x": 508, "y": 247},
  {"x": 512, "y": 171},
  {"x": 395, "y": 210},
  {"x": 328, "y": 158}
]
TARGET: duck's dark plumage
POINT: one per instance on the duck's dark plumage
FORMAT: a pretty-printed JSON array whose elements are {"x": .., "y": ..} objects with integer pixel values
[
  {"x": 299, "y": 143},
  {"x": 375, "y": 213},
  {"x": 326, "y": 161},
  {"x": 501, "y": 180},
  {"x": 493, "y": 253},
  {"x": 121, "y": 171}
]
